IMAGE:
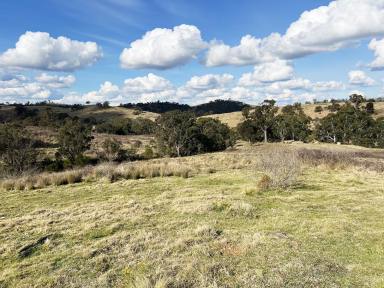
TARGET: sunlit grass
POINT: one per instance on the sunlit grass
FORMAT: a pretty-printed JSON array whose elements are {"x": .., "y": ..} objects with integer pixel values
[{"x": 210, "y": 230}]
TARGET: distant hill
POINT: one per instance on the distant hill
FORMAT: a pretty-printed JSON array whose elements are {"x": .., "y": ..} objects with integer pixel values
[{"x": 213, "y": 107}]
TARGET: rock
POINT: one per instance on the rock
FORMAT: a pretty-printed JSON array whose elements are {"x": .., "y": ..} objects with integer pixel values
[{"x": 30, "y": 248}]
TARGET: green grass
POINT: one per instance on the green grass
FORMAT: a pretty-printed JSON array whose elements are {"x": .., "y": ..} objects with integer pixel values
[{"x": 204, "y": 231}]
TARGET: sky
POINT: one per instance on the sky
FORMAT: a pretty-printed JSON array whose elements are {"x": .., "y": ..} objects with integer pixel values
[{"x": 191, "y": 52}]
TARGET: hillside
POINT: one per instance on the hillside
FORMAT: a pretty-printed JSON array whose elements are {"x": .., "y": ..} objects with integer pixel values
[
  {"x": 212, "y": 229},
  {"x": 89, "y": 111},
  {"x": 234, "y": 118}
]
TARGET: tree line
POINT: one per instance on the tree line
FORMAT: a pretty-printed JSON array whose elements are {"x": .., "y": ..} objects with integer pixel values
[
  {"x": 182, "y": 133},
  {"x": 350, "y": 122}
]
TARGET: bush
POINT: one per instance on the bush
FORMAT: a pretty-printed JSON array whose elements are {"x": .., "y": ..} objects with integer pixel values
[
  {"x": 74, "y": 139},
  {"x": 264, "y": 183},
  {"x": 17, "y": 152},
  {"x": 111, "y": 149},
  {"x": 282, "y": 166}
]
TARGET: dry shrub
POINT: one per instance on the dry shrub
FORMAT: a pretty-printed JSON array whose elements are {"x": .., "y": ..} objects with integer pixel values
[
  {"x": 282, "y": 166},
  {"x": 8, "y": 184},
  {"x": 342, "y": 159},
  {"x": 241, "y": 209},
  {"x": 264, "y": 183}
]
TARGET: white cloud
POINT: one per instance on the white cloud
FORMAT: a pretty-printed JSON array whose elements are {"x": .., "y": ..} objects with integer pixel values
[
  {"x": 163, "y": 48},
  {"x": 38, "y": 50},
  {"x": 55, "y": 81},
  {"x": 326, "y": 28},
  {"x": 19, "y": 88},
  {"x": 16, "y": 90},
  {"x": 107, "y": 92},
  {"x": 279, "y": 70},
  {"x": 209, "y": 81},
  {"x": 147, "y": 84},
  {"x": 359, "y": 78},
  {"x": 140, "y": 89},
  {"x": 247, "y": 52},
  {"x": 378, "y": 47},
  {"x": 327, "y": 86}
]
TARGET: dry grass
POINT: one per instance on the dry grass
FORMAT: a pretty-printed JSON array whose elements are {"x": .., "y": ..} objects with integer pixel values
[
  {"x": 110, "y": 171},
  {"x": 343, "y": 159},
  {"x": 202, "y": 231}
]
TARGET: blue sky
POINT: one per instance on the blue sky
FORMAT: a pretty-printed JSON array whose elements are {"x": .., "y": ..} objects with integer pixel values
[{"x": 190, "y": 51}]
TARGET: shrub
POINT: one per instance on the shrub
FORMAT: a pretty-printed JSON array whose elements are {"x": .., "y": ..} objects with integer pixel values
[
  {"x": 74, "y": 139},
  {"x": 148, "y": 153},
  {"x": 264, "y": 183},
  {"x": 17, "y": 153},
  {"x": 282, "y": 166},
  {"x": 110, "y": 149}
]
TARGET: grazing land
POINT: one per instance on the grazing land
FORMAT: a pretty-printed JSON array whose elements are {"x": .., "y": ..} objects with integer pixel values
[{"x": 210, "y": 228}]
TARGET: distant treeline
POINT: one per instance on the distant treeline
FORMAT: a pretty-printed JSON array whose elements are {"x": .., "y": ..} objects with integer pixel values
[{"x": 213, "y": 107}]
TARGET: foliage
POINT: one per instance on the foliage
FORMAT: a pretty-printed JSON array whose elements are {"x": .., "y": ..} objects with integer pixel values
[
  {"x": 178, "y": 134},
  {"x": 218, "y": 107},
  {"x": 17, "y": 153},
  {"x": 158, "y": 107},
  {"x": 349, "y": 125},
  {"x": 215, "y": 136},
  {"x": 318, "y": 109},
  {"x": 138, "y": 126},
  {"x": 292, "y": 123},
  {"x": 261, "y": 118},
  {"x": 111, "y": 149},
  {"x": 214, "y": 107},
  {"x": 181, "y": 134},
  {"x": 74, "y": 139},
  {"x": 370, "y": 108}
]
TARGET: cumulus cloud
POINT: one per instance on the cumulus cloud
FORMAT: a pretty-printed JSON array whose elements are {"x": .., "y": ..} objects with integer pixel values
[
  {"x": 378, "y": 47},
  {"x": 163, "y": 48},
  {"x": 19, "y": 88},
  {"x": 359, "y": 78},
  {"x": 38, "y": 50},
  {"x": 147, "y": 84},
  {"x": 140, "y": 89},
  {"x": 209, "y": 81},
  {"x": 55, "y": 81},
  {"x": 279, "y": 70},
  {"x": 326, "y": 28}
]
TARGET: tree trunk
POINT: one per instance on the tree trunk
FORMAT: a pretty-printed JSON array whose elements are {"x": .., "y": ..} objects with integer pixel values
[
  {"x": 265, "y": 136},
  {"x": 178, "y": 150}
]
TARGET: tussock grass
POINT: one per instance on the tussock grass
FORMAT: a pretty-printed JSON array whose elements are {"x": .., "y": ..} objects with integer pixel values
[{"x": 109, "y": 171}]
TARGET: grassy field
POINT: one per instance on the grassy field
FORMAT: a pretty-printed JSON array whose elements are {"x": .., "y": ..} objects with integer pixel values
[{"x": 213, "y": 229}]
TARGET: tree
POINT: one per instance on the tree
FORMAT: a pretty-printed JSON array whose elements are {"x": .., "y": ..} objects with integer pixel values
[
  {"x": 356, "y": 100},
  {"x": 178, "y": 133},
  {"x": 349, "y": 125},
  {"x": 318, "y": 109},
  {"x": 370, "y": 108},
  {"x": 262, "y": 117},
  {"x": 334, "y": 107},
  {"x": 292, "y": 123},
  {"x": 215, "y": 136},
  {"x": 111, "y": 149},
  {"x": 74, "y": 139},
  {"x": 17, "y": 153}
]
